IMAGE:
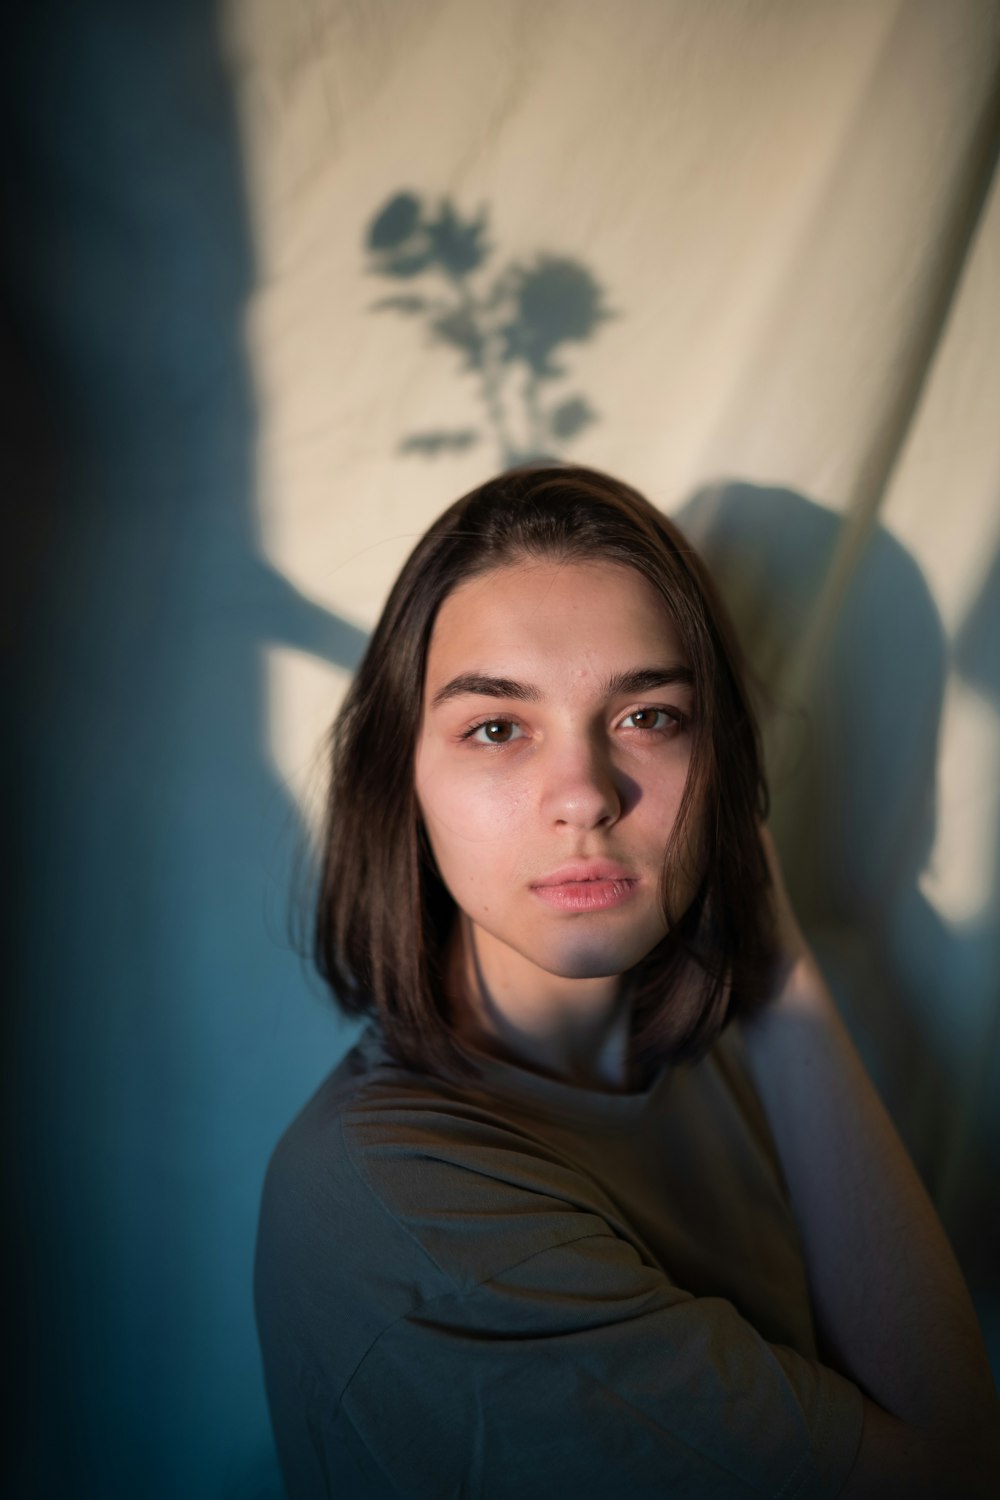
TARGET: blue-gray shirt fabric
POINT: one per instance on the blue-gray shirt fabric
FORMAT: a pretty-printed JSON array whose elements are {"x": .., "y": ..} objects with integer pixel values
[{"x": 523, "y": 1288}]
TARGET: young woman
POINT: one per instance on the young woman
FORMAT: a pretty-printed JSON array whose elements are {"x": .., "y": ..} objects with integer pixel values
[{"x": 555, "y": 1225}]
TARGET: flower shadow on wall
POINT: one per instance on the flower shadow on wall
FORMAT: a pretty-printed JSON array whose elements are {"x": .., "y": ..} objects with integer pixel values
[{"x": 507, "y": 329}]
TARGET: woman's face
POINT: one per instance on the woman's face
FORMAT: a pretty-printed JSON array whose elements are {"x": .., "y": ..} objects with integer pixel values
[{"x": 552, "y": 757}]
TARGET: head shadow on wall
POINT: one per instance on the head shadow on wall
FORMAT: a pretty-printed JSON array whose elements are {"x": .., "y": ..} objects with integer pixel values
[{"x": 852, "y": 753}]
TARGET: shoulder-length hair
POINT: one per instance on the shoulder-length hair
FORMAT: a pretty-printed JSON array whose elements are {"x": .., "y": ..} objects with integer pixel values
[{"x": 383, "y": 914}]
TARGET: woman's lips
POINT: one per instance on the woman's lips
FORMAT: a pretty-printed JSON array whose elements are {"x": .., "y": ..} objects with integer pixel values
[{"x": 587, "y": 895}]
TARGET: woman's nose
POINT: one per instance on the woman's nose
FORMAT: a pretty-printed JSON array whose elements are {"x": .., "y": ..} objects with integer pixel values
[{"x": 580, "y": 786}]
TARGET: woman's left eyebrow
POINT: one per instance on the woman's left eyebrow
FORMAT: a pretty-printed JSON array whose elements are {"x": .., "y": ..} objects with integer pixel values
[
  {"x": 638, "y": 680},
  {"x": 645, "y": 679}
]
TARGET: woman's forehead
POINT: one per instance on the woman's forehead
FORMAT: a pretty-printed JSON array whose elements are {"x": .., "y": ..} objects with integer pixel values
[{"x": 553, "y": 614}]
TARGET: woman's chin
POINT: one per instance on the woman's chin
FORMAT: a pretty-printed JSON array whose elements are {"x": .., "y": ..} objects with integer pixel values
[{"x": 593, "y": 960}]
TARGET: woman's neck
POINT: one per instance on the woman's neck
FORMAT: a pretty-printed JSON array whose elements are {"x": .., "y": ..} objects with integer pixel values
[{"x": 576, "y": 1030}]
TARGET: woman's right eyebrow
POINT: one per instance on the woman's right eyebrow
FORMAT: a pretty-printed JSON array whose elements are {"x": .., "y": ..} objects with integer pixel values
[{"x": 484, "y": 686}]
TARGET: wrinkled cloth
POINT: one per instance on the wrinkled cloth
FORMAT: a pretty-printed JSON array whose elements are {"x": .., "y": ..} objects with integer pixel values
[{"x": 495, "y": 1290}]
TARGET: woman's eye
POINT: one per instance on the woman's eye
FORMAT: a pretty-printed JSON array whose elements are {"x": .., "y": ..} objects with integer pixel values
[
  {"x": 495, "y": 732},
  {"x": 652, "y": 718}
]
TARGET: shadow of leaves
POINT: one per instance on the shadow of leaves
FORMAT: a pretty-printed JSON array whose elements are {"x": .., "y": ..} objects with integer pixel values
[{"x": 510, "y": 331}]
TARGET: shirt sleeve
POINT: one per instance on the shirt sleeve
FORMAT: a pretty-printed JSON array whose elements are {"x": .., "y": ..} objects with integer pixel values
[{"x": 581, "y": 1371}]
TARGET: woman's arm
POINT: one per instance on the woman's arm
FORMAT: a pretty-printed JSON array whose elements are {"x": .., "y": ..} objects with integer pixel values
[{"x": 887, "y": 1290}]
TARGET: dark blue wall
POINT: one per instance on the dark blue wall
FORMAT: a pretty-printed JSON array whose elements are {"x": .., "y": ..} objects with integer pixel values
[{"x": 162, "y": 1028}]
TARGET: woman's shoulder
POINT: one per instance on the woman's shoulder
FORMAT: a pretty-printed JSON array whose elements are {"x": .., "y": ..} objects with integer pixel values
[
  {"x": 450, "y": 1176},
  {"x": 370, "y": 1108},
  {"x": 334, "y": 1265},
  {"x": 389, "y": 1192}
]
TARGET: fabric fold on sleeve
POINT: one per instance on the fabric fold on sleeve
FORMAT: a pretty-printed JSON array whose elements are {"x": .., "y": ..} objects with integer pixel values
[{"x": 584, "y": 1371}]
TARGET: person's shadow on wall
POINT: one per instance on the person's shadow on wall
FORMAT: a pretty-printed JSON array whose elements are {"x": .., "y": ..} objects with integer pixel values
[{"x": 852, "y": 751}]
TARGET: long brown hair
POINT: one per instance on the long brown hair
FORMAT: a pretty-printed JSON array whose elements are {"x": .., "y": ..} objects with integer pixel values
[{"x": 383, "y": 914}]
